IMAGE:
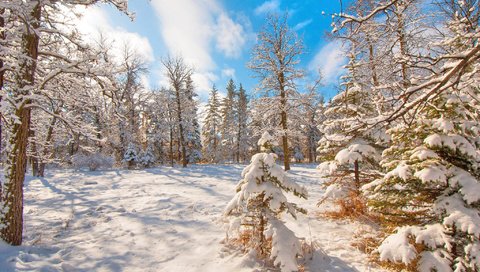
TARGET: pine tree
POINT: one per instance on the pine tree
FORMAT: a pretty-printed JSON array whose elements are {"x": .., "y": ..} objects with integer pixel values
[
  {"x": 350, "y": 157},
  {"x": 258, "y": 205},
  {"x": 211, "y": 128},
  {"x": 242, "y": 132},
  {"x": 147, "y": 158},
  {"x": 192, "y": 127},
  {"x": 229, "y": 122},
  {"x": 131, "y": 156},
  {"x": 431, "y": 192}
]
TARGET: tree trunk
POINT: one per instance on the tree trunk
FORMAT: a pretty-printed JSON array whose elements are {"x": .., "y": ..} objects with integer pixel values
[
  {"x": 180, "y": 127},
  {"x": 34, "y": 156},
  {"x": 286, "y": 153},
  {"x": 171, "y": 147},
  {"x": 2, "y": 72},
  {"x": 357, "y": 176},
  {"x": 403, "y": 45},
  {"x": 41, "y": 167},
  {"x": 17, "y": 157}
]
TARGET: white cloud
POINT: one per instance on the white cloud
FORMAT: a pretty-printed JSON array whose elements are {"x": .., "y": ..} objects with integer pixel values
[
  {"x": 330, "y": 60},
  {"x": 268, "y": 6},
  {"x": 203, "y": 83},
  {"x": 191, "y": 28},
  {"x": 230, "y": 36},
  {"x": 302, "y": 24},
  {"x": 95, "y": 22},
  {"x": 228, "y": 73}
]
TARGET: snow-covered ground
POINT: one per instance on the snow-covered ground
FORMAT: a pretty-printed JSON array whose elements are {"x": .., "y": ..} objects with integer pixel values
[{"x": 162, "y": 219}]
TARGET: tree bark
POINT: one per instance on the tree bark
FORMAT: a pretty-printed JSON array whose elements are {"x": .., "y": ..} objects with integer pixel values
[
  {"x": 41, "y": 167},
  {"x": 283, "y": 103},
  {"x": 180, "y": 127},
  {"x": 357, "y": 176},
  {"x": 17, "y": 157},
  {"x": 34, "y": 154}
]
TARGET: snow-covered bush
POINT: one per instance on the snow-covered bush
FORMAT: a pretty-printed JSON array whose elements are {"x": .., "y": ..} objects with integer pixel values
[
  {"x": 92, "y": 161},
  {"x": 147, "y": 158},
  {"x": 256, "y": 209},
  {"x": 131, "y": 155}
]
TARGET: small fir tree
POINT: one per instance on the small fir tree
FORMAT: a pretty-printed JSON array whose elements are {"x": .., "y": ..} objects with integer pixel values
[
  {"x": 211, "y": 128},
  {"x": 130, "y": 156},
  {"x": 147, "y": 158},
  {"x": 350, "y": 156},
  {"x": 258, "y": 205}
]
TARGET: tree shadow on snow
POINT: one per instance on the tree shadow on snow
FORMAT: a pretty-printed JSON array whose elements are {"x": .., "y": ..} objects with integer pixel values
[{"x": 321, "y": 262}]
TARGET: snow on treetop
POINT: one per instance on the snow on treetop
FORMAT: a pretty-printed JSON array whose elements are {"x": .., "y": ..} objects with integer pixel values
[
  {"x": 453, "y": 142},
  {"x": 433, "y": 173},
  {"x": 355, "y": 152},
  {"x": 267, "y": 141}
]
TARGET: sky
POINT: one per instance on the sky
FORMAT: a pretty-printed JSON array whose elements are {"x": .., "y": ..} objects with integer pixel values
[{"x": 216, "y": 37}]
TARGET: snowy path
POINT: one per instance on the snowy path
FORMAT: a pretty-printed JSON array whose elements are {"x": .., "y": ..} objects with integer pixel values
[{"x": 163, "y": 219}]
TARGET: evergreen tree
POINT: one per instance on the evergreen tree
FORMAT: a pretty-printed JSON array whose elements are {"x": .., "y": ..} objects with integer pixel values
[
  {"x": 147, "y": 158},
  {"x": 242, "y": 132},
  {"x": 211, "y": 128},
  {"x": 258, "y": 205},
  {"x": 350, "y": 157},
  {"x": 131, "y": 156},
  {"x": 431, "y": 192},
  {"x": 229, "y": 122},
  {"x": 192, "y": 127}
]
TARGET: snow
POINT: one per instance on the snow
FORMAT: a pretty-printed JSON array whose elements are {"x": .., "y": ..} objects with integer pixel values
[
  {"x": 402, "y": 171},
  {"x": 434, "y": 261},
  {"x": 434, "y": 174},
  {"x": 285, "y": 245},
  {"x": 465, "y": 219},
  {"x": 158, "y": 219},
  {"x": 397, "y": 248},
  {"x": 422, "y": 153}
]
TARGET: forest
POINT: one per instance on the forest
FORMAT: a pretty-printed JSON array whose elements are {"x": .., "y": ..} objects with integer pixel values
[{"x": 102, "y": 172}]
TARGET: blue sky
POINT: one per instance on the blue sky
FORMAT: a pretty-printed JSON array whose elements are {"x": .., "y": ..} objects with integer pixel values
[{"x": 216, "y": 36}]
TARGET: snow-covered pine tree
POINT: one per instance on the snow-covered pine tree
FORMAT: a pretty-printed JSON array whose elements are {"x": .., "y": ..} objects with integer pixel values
[
  {"x": 350, "y": 157},
  {"x": 211, "y": 128},
  {"x": 313, "y": 105},
  {"x": 147, "y": 158},
  {"x": 431, "y": 193},
  {"x": 229, "y": 122},
  {"x": 256, "y": 209},
  {"x": 242, "y": 132},
  {"x": 131, "y": 156},
  {"x": 192, "y": 127}
]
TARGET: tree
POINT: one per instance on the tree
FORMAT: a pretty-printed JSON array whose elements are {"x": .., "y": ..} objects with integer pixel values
[
  {"x": 258, "y": 205},
  {"x": 428, "y": 198},
  {"x": 229, "y": 122},
  {"x": 242, "y": 125},
  {"x": 192, "y": 127},
  {"x": 178, "y": 73},
  {"x": 350, "y": 158},
  {"x": 211, "y": 128},
  {"x": 274, "y": 61},
  {"x": 313, "y": 116},
  {"x": 27, "y": 46}
]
